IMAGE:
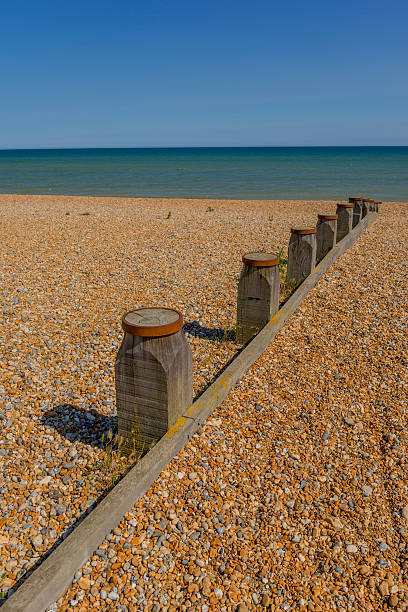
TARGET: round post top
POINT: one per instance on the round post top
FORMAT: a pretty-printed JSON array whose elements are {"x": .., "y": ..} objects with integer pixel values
[
  {"x": 152, "y": 322},
  {"x": 328, "y": 217},
  {"x": 368, "y": 200},
  {"x": 345, "y": 204},
  {"x": 262, "y": 260},
  {"x": 303, "y": 231},
  {"x": 355, "y": 198}
]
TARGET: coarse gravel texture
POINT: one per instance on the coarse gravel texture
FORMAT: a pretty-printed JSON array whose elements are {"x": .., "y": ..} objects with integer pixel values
[
  {"x": 293, "y": 495},
  {"x": 69, "y": 268}
]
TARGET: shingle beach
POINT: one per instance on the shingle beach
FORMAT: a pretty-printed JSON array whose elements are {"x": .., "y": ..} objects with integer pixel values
[{"x": 293, "y": 495}]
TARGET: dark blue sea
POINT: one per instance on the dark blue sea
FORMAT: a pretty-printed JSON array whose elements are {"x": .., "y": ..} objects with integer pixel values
[{"x": 230, "y": 172}]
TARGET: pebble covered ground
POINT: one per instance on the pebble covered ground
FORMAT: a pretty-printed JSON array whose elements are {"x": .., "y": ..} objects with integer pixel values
[{"x": 293, "y": 495}]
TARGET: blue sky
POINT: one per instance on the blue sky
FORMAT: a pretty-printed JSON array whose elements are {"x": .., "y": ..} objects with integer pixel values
[{"x": 188, "y": 73}]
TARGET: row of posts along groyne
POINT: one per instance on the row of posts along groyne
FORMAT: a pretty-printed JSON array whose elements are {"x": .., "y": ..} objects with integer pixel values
[
  {"x": 154, "y": 386},
  {"x": 154, "y": 369}
]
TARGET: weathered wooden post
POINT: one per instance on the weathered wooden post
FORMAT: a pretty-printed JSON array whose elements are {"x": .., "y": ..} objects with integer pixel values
[
  {"x": 344, "y": 219},
  {"x": 369, "y": 204},
  {"x": 377, "y": 205},
  {"x": 326, "y": 230},
  {"x": 365, "y": 207},
  {"x": 301, "y": 254},
  {"x": 357, "y": 209},
  {"x": 153, "y": 375},
  {"x": 258, "y": 294}
]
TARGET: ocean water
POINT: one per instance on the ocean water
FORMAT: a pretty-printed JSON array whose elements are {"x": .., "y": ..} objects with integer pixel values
[{"x": 228, "y": 172}]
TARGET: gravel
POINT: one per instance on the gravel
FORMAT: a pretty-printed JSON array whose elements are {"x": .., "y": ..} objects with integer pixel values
[{"x": 65, "y": 282}]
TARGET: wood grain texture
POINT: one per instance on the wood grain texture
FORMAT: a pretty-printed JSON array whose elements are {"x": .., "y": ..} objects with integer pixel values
[
  {"x": 326, "y": 231},
  {"x": 258, "y": 299},
  {"x": 357, "y": 212},
  {"x": 365, "y": 208},
  {"x": 153, "y": 385},
  {"x": 301, "y": 257},
  {"x": 344, "y": 222}
]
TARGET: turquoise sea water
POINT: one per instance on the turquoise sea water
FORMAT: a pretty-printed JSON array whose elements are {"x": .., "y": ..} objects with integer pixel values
[{"x": 241, "y": 172}]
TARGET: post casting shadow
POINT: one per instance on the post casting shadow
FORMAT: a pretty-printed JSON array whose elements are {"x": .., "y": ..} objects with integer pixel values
[
  {"x": 79, "y": 424},
  {"x": 218, "y": 334}
]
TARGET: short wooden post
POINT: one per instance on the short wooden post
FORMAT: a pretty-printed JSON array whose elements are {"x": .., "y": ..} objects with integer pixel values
[
  {"x": 258, "y": 294},
  {"x": 357, "y": 209},
  {"x": 365, "y": 207},
  {"x": 369, "y": 204},
  {"x": 154, "y": 373},
  {"x": 376, "y": 205},
  {"x": 301, "y": 254},
  {"x": 344, "y": 219},
  {"x": 326, "y": 230}
]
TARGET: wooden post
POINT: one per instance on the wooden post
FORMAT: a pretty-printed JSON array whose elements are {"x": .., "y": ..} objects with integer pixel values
[
  {"x": 326, "y": 230},
  {"x": 301, "y": 254},
  {"x": 258, "y": 294},
  {"x": 365, "y": 207},
  {"x": 357, "y": 209},
  {"x": 369, "y": 204},
  {"x": 376, "y": 205},
  {"x": 344, "y": 220},
  {"x": 153, "y": 375}
]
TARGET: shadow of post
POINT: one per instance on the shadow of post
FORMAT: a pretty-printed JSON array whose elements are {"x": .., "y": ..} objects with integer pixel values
[
  {"x": 214, "y": 334},
  {"x": 79, "y": 424}
]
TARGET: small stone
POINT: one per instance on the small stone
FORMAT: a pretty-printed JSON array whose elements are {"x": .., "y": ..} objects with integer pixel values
[
  {"x": 351, "y": 548},
  {"x": 393, "y": 601},
  {"x": 404, "y": 512},
  {"x": 84, "y": 583},
  {"x": 367, "y": 490},
  {"x": 384, "y": 588},
  {"x": 37, "y": 541}
]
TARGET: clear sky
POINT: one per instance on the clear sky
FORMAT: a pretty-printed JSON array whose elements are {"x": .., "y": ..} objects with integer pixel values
[{"x": 210, "y": 73}]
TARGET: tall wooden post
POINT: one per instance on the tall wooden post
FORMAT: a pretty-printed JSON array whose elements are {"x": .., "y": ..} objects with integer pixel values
[
  {"x": 153, "y": 375},
  {"x": 258, "y": 294},
  {"x": 344, "y": 220},
  {"x": 357, "y": 209},
  {"x": 301, "y": 254},
  {"x": 326, "y": 230}
]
